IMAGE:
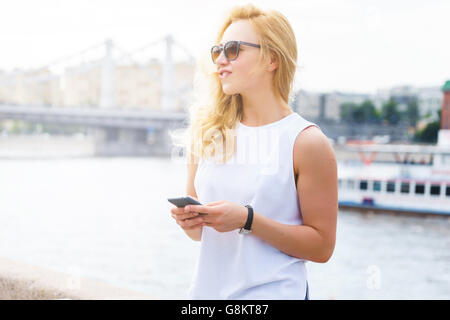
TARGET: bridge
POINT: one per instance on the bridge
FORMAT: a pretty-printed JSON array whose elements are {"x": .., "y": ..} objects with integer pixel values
[{"x": 117, "y": 130}]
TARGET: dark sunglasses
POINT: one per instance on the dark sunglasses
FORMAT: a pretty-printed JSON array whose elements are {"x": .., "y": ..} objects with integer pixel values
[{"x": 230, "y": 49}]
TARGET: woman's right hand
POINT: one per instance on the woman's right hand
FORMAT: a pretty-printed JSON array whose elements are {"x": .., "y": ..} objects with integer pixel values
[{"x": 186, "y": 220}]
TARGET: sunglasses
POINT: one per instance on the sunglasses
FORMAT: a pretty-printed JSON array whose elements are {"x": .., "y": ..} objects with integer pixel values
[{"x": 230, "y": 49}]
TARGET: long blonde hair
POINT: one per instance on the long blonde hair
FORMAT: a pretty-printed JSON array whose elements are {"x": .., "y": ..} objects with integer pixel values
[{"x": 212, "y": 121}]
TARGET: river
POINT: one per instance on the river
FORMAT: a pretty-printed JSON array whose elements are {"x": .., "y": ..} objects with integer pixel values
[{"x": 108, "y": 218}]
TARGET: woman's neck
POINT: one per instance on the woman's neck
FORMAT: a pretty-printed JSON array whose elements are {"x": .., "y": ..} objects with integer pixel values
[{"x": 262, "y": 108}]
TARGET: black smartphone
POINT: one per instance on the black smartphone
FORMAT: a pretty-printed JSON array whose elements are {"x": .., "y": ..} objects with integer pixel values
[{"x": 181, "y": 202}]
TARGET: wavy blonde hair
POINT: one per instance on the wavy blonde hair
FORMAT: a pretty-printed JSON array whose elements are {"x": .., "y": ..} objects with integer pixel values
[{"x": 213, "y": 120}]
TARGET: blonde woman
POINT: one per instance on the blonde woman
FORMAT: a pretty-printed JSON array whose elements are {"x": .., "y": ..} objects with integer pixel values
[{"x": 266, "y": 177}]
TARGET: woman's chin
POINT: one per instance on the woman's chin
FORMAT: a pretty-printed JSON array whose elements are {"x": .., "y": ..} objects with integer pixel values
[{"x": 228, "y": 90}]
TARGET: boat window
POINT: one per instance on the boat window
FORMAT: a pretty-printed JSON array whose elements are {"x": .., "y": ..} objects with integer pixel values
[
  {"x": 447, "y": 191},
  {"x": 377, "y": 185},
  {"x": 363, "y": 185},
  {"x": 435, "y": 189},
  {"x": 390, "y": 186},
  {"x": 350, "y": 184},
  {"x": 404, "y": 187},
  {"x": 420, "y": 188}
]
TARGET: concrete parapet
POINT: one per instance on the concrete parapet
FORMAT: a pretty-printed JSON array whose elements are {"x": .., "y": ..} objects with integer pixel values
[{"x": 21, "y": 281}]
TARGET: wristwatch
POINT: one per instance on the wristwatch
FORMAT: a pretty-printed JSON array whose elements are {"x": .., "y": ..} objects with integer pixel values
[{"x": 248, "y": 225}]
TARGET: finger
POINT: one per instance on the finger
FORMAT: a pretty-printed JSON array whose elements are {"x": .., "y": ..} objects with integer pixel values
[
  {"x": 179, "y": 217},
  {"x": 206, "y": 218},
  {"x": 180, "y": 211},
  {"x": 193, "y": 221},
  {"x": 190, "y": 223},
  {"x": 193, "y": 227},
  {"x": 209, "y": 220},
  {"x": 197, "y": 208},
  {"x": 177, "y": 210},
  {"x": 188, "y": 215}
]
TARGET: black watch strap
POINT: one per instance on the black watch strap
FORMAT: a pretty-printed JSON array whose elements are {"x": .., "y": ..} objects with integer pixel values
[{"x": 248, "y": 224}]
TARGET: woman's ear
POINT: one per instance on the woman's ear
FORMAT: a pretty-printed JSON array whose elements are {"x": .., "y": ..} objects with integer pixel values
[{"x": 273, "y": 64}]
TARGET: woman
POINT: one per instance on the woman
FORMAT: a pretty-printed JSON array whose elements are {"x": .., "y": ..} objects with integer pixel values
[{"x": 259, "y": 221}]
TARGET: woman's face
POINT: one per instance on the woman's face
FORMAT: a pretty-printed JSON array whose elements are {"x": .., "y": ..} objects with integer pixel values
[{"x": 244, "y": 73}]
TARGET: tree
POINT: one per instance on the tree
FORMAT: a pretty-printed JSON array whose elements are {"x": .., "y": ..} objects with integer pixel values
[
  {"x": 429, "y": 134},
  {"x": 390, "y": 112},
  {"x": 370, "y": 114},
  {"x": 412, "y": 113},
  {"x": 362, "y": 113},
  {"x": 347, "y": 111}
]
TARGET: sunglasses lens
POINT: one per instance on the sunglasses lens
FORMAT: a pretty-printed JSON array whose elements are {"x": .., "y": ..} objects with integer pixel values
[
  {"x": 231, "y": 50},
  {"x": 215, "y": 53}
]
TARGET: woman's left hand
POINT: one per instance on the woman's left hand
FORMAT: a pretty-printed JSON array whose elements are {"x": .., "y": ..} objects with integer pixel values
[{"x": 221, "y": 215}]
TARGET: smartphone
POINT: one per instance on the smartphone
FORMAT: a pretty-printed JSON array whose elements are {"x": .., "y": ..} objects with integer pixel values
[{"x": 181, "y": 202}]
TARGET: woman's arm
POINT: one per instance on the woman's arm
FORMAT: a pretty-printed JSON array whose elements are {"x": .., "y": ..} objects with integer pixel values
[
  {"x": 190, "y": 222},
  {"x": 194, "y": 233},
  {"x": 317, "y": 190}
]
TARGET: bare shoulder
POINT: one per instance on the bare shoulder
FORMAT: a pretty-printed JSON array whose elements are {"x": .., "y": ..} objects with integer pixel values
[{"x": 312, "y": 148}]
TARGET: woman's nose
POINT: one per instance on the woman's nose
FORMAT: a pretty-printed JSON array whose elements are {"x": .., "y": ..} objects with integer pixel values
[{"x": 221, "y": 59}]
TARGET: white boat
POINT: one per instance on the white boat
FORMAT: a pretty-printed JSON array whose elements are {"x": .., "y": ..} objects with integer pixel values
[{"x": 417, "y": 181}]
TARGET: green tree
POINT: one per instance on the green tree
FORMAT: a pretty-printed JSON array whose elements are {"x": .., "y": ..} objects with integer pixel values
[
  {"x": 346, "y": 110},
  {"x": 390, "y": 112},
  {"x": 361, "y": 113},
  {"x": 429, "y": 134},
  {"x": 369, "y": 112},
  {"x": 412, "y": 113},
  {"x": 358, "y": 114}
]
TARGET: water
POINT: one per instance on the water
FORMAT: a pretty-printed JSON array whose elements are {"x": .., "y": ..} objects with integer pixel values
[{"x": 109, "y": 219}]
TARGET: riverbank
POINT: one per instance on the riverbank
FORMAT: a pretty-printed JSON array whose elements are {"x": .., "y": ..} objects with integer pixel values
[
  {"x": 45, "y": 146},
  {"x": 21, "y": 281}
]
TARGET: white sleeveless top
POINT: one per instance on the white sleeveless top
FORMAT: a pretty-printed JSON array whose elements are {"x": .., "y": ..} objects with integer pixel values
[{"x": 261, "y": 173}]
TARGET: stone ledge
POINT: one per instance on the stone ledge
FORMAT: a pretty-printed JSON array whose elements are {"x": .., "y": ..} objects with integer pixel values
[{"x": 21, "y": 281}]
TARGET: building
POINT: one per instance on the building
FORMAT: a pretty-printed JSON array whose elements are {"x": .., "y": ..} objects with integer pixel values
[
  {"x": 429, "y": 99},
  {"x": 307, "y": 104},
  {"x": 31, "y": 87},
  {"x": 403, "y": 95},
  {"x": 445, "y": 115},
  {"x": 132, "y": 86},
  {"x": 325, "y": 106},
  {"x": 79, "y": 87}
]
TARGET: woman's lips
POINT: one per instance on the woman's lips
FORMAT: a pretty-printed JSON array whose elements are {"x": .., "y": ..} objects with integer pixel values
[{"x": 224, "y": 74}]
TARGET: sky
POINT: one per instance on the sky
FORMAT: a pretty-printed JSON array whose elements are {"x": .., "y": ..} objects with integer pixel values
[{"x": 358, "y": 46}]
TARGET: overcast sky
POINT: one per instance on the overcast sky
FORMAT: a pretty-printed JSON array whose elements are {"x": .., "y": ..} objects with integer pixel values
[{"x": 346, "y": 45}]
